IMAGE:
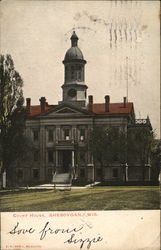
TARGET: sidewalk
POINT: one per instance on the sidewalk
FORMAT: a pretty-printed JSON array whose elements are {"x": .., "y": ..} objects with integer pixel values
[{"x": 61, "y": 186}]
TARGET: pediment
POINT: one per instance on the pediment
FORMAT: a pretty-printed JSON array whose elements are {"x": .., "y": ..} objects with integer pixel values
[{"x": 66, "y": 109}]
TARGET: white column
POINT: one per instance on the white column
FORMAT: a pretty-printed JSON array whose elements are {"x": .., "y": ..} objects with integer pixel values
[
  {"x": 56, "y": 159},
  {"x": 72, "y": 159},
  {"x": 57, "y": 133},
  {"x": 149, "y": 173},
  {"x": 42, "y": 143},
  {"x": 73, "y": 166},
  {"x": 126, "y": 172},
  {"x": 4, "y": 179}
]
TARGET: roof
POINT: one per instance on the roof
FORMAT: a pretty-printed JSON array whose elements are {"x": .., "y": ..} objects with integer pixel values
[
  {"x": 74, "y": 35},
  {"x": 115, "y": 109},
  {"x": 73, "y": 53},
  {"x": 35, "y": 110}
]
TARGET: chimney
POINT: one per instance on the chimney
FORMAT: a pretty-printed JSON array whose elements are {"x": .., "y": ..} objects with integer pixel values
[
  {"x": 125, "y": 102},
  {"x": 28, "y": 104},
  {"x": 43, "y": 104},
  {"x": 107, "y": 103},
  {"x": 90, "y": 105}
]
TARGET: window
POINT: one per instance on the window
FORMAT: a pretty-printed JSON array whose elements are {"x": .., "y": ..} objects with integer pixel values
[
  {"x": 66, "y": 134},
  {"x": 82, "y": 156},
  {"x": 99, "y": 172},
  {"x": 36, "y": 156},
  {"x": 72, "y": 73},
  {"x": 50, "y": 173},
  {"x": 91, "y": 157},
  {"x": 36, "y": 174},
  {"x": 19, "y": 173},
  {"x": 79, "y": 73},
  {"x": 82, "y": 134},
  {"x": 35, "y": 135},
  {"x": 50, "y": 156},
  {"x": 50, "y": 135},
  {"x": 116, "y": 157},
  {"x": 115, "y": 172},
  {"x": 82, "y": 173}
]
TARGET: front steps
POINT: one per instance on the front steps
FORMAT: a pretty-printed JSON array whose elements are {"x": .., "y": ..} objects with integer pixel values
[
  {"x": 64, "y": 178},
  {"x": 62, "y": 181}
]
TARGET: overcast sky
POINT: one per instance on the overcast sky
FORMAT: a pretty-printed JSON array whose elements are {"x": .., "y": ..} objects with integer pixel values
[{"x": 119, "y": 40}]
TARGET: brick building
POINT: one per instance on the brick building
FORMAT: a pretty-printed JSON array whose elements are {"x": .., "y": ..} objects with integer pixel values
[{"x": 60, "y": 133}]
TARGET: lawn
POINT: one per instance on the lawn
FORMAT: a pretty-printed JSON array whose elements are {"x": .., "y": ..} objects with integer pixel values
[{"x": 97, "y": 198}]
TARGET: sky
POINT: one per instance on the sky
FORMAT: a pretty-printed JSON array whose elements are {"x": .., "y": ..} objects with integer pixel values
[{"x": 119, "y": 41}]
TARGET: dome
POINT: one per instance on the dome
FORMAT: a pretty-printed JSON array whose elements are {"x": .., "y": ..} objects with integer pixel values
[{"x": 74, "y": 53}]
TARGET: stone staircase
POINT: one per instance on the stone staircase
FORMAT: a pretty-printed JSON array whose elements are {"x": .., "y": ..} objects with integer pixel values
[{"x": 62, "y": 181}]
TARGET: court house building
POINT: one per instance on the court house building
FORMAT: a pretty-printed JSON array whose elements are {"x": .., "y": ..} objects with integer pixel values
[{"x": 60, "y": 132}]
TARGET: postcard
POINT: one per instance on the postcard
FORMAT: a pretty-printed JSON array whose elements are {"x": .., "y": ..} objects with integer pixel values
[{"x": 80, "y": 125}]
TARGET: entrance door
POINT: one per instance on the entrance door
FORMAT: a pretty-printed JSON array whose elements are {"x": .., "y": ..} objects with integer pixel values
[{"x": 67, "y": 160}]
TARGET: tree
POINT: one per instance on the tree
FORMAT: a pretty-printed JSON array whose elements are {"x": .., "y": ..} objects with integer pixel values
[
  {"x": 108, "y": 144},
  {"x": 99, "y": 145},
  {"x": 140, "y": 145},
  {"x": 156, "y": 161},
  {"x": 11, "y": 95},
  {"x": 11, "y": 115}
]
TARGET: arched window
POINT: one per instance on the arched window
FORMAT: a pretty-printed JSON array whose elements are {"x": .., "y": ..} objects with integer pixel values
[
  {"x": 72, "y": 73},
  {"x": 78, "y": 72}
]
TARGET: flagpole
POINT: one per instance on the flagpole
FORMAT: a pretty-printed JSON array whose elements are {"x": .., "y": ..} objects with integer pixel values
[{"x": 127, "y": 78}]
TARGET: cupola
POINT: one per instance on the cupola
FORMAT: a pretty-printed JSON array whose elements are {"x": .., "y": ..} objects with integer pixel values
[{"x": 74, "y": 88}]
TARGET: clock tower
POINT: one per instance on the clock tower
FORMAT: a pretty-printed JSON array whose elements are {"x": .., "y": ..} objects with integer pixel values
[{"x": 74, "y": 88}]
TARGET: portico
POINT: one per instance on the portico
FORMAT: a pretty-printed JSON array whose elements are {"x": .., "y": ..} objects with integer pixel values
[{"x": 65, "y": 160}]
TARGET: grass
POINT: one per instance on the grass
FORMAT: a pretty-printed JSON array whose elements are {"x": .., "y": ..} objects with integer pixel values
[{"x": 97, "y": 198}]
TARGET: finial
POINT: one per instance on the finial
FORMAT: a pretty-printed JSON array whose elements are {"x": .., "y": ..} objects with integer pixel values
[{"x": 74, "y": 39}]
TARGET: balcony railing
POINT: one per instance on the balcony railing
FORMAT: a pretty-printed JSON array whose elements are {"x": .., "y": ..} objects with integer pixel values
[
  {"x": 143, "y": 122},
  {"x": 67, "y": 141}
]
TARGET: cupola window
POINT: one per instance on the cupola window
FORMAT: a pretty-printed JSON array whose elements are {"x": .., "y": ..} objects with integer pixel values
[
  {"x": 78, "y": 72},
  {"x": 72, "y": 73}
]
